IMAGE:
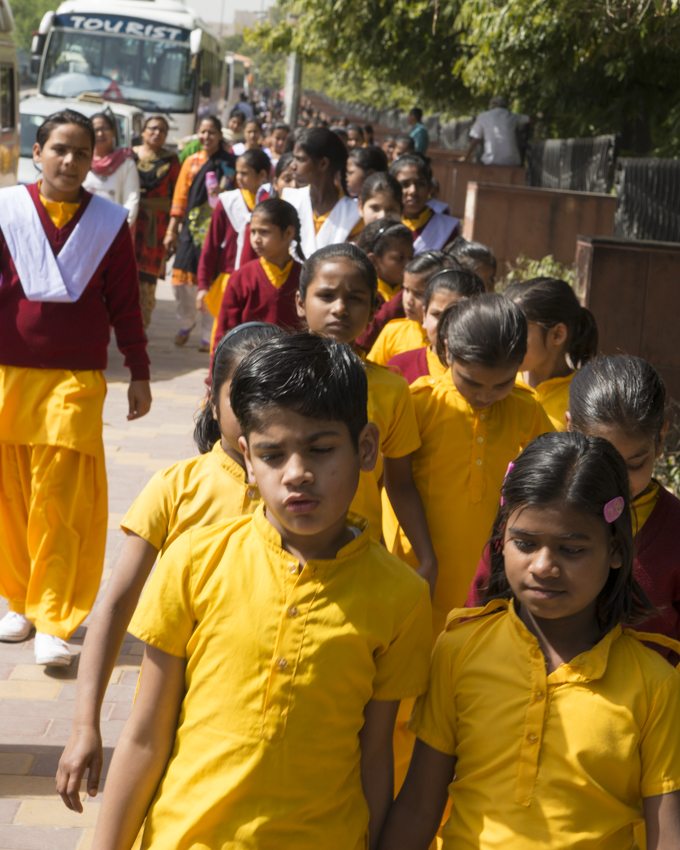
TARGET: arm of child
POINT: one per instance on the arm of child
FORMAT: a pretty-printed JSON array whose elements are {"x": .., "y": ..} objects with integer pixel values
[
  {"x": 416, "y": 814},
  {"x": 662, "y": 821},
  {"x": 377, "y": 762},
  {"x": 103, "y": 641},
  {"x": 207, "y": 264},
  {"x": 408, "y": 508},
  {"x": 142, "y": 752}
]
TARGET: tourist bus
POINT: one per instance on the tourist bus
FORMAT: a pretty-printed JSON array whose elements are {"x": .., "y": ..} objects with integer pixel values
[
  {"x": 9, "y": 99},
  {"x": 154, "y": 54}
]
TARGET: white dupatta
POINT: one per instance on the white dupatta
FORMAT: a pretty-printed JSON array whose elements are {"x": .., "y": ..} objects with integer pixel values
[{"x": 337, "y": 227}]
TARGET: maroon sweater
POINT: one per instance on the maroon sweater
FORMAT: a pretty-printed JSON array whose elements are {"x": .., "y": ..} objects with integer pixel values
[
  {"x": 49, "y": 335},
  {"x": 218, "y": 255},
  {"x": 656, "y": 568},
  {"x": 251, "y": 297},
  {"x": 387, "y": 310},
  {"x": 411, "y": 364}
]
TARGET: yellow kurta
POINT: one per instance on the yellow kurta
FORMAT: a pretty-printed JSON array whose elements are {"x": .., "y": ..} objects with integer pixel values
[
  {"x": 554, "y": 396},
  {"x": 435, "y": 365},
  {"x": 559, "y": 760},
  {"x": 280, "y": 664},
  {"x": 458, "y": 470},
  {"x": 53, "y": 498},
  {"x": 191, "y": 494},
  {"x": 388, "y": 292},
  {"x": 396, "y": 337},
  {"x": 390, "y": 407}
]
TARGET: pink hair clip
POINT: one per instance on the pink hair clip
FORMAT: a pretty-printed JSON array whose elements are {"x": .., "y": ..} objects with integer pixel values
[
  {"x": 511, "y": 466},
  {"x": 614, "y": 509}
]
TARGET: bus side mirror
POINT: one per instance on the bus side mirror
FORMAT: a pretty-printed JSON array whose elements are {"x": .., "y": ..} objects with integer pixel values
[
  {"x": 35, "y": 65},
  {"x": 206, "y": 88},
  {"x": 38, "y": 44},
  {"x": 195, "y": 41}
]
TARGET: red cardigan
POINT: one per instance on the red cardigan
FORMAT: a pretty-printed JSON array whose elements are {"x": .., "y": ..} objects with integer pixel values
[
  {"x": 50, "y": 335},
  {"x": 387, "y": 310},
  {"x": 251, "y": 297},
  {"x": 411, "y": 364},
  {"x": 656, "y": 568},
  {"x": 218, "y": 255}
]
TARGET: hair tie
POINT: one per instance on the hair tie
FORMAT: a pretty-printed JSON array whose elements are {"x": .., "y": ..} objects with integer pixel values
[
  {"x": 381, "y": 231},
  {"x": 229, "y": 335},
  {"x": 511, "y": 466},
  {"x": 614, "y": 508}
]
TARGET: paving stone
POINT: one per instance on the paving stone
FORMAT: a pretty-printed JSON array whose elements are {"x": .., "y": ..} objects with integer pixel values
[
  {"x": 54, "y": 813},
  {"x": 29, "y": 690},
  {"x": 8, "y": 809},
  {"x": 28, "y": 787},
  {"x": 35, "y": 708},
  {"x": 16, "y": 764},
  {"x": 39, "y": 838}
]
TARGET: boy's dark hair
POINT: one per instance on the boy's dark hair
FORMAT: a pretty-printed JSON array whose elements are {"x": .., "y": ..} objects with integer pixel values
[
  {"x": 381, "y": 181},
  {"x": 369, "y": 159},
  {"x": 318, "y": 142},
  {"x": 488, "y": 329},
  {"x": 256, "y": 159},
  {"x": 56, "y": 119},
  {"x": 422, "y": 163},
  {"x": 283, "y": 215},
  {"x": 471, "y": 255},
  {"x": 343, "y": 250},
  {"x": 546, "y": 302},
  {"x": 312, "y": 375},
  {"x": 229, "y": 352},
  {"x": 587, "y": 473},
  {"x": 380, "y": 235},
  {"x": 417, "y": 113},
  {"x": 620, "y": 391}
]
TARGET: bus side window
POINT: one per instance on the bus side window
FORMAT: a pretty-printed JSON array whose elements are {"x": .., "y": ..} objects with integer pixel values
[{"x": 7, "y": 114}]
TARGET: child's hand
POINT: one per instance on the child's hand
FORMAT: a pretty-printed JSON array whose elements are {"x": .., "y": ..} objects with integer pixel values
[
  {"x": 83, "y": 750},
  {"x": 200, "y": 301},
  {"x": 139, "y": 398}
]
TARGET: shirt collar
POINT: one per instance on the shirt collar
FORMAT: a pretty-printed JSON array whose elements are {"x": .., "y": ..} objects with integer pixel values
[
  {"x": 228, "y": 464},
  {"x": 417, "y": 223}
]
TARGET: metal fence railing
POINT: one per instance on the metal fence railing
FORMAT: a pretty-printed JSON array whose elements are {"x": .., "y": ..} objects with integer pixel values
[
  {"x": 648, "y": 205},
  {"x": 579, "y": 165}
]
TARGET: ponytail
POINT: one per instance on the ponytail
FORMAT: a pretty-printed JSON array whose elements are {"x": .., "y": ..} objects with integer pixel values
[
  {"x": 282, "y": 215},
  {"x": 546, "y": 301},
  {"x": 231, "y": 349}
]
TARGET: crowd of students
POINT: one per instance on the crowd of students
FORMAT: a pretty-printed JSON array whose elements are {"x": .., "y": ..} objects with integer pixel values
[{"x": 392, "y": 457}]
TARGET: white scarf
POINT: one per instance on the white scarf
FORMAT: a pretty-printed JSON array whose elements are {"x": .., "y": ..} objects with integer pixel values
[
  {"x": 436, "y": 233},
  {"x": 337, "y": 227},
  {"x": 63, "y": 278}
]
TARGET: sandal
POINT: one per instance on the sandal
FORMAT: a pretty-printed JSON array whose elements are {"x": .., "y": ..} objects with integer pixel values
[{"x": 182, "y": 337}]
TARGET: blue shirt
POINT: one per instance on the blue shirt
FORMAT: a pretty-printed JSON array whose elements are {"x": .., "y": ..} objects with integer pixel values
[{"x": 421, "y": 138}]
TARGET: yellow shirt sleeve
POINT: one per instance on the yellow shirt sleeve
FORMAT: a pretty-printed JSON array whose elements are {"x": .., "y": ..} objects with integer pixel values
[
  {"x": 402, "y": 669},
  {"x": 378, "y": 352},
  {"x": 403, "y": 436},
  {"x": 434, "y": 715},
  {"x": 659, "y": 744},
  {"x": 164, "y": 617},
  {"x": 540, "y": 425},
  {"x": 149, "y": 515}
]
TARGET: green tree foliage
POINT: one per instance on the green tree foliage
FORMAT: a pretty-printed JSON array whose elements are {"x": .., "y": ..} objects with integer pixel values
[
  {"x": 588, "y": 66},
  {"x": 27, "y": 17}
]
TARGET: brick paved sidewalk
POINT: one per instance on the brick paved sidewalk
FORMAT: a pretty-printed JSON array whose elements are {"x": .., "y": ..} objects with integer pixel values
[{"x": 36, "y": 703}]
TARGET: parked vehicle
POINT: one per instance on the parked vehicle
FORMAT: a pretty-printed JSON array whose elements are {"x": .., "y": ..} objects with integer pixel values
[{"x": 9, "y": 99}]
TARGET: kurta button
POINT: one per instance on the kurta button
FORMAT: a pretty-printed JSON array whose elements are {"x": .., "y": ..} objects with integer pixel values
[
  {"x": 480, "y": 439},
  {"x": 539, "y": 696},
  {"x": 281, "y": 663},
  {"x": 250, "y": 493},
  {"x": 479, "y": 461},
  {"x": 293, "y": 611},
  {"x": 292, "y": 568},
  {"x": 482, "y": 416},
  {"x": 532, "y": 738}
]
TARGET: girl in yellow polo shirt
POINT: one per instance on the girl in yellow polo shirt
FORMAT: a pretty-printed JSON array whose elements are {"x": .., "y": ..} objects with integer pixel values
[
  {"x": 557, "y": 721},
  {"x": 562, "y": 336},
  {"x": 406, "y": 334},
  {"x": 388, "y": 245},
  {"x": 337, "y": 297},
  {"x": 192, "y": 493}
]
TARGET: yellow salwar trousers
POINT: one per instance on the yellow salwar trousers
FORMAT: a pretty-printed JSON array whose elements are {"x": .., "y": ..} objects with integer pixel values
[
  {"x": 53, "y": 494},
  {"x": 53, "y": 516}
]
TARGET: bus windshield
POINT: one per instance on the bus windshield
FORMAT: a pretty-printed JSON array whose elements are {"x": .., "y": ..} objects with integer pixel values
[{"x": 135, "y": 70}]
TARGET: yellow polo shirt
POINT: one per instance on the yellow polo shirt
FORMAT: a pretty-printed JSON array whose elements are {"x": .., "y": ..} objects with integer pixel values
[
  {"x": 559, "y": 761},
  {"x": 388, "y": 292},
  {"x": 281, "y": 662},
  {"x": 459, "y": 470},
  {"x": 434, "y": 364},
  {"x": 554, "y": 396},
  {"x": 192, "y": 493},
  {"x": 390, "y": 407},
  {"x": 397, "y": 336}
]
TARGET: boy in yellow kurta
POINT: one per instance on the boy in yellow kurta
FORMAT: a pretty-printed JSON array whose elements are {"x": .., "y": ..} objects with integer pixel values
[
  {"x": 67, "y": 275},
  {"x": 278, "y": 646}
]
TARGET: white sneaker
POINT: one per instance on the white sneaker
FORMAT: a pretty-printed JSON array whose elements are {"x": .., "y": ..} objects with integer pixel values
[
  {"x": 15, "y": 627},
  {"x": 51, "y": 651}
]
